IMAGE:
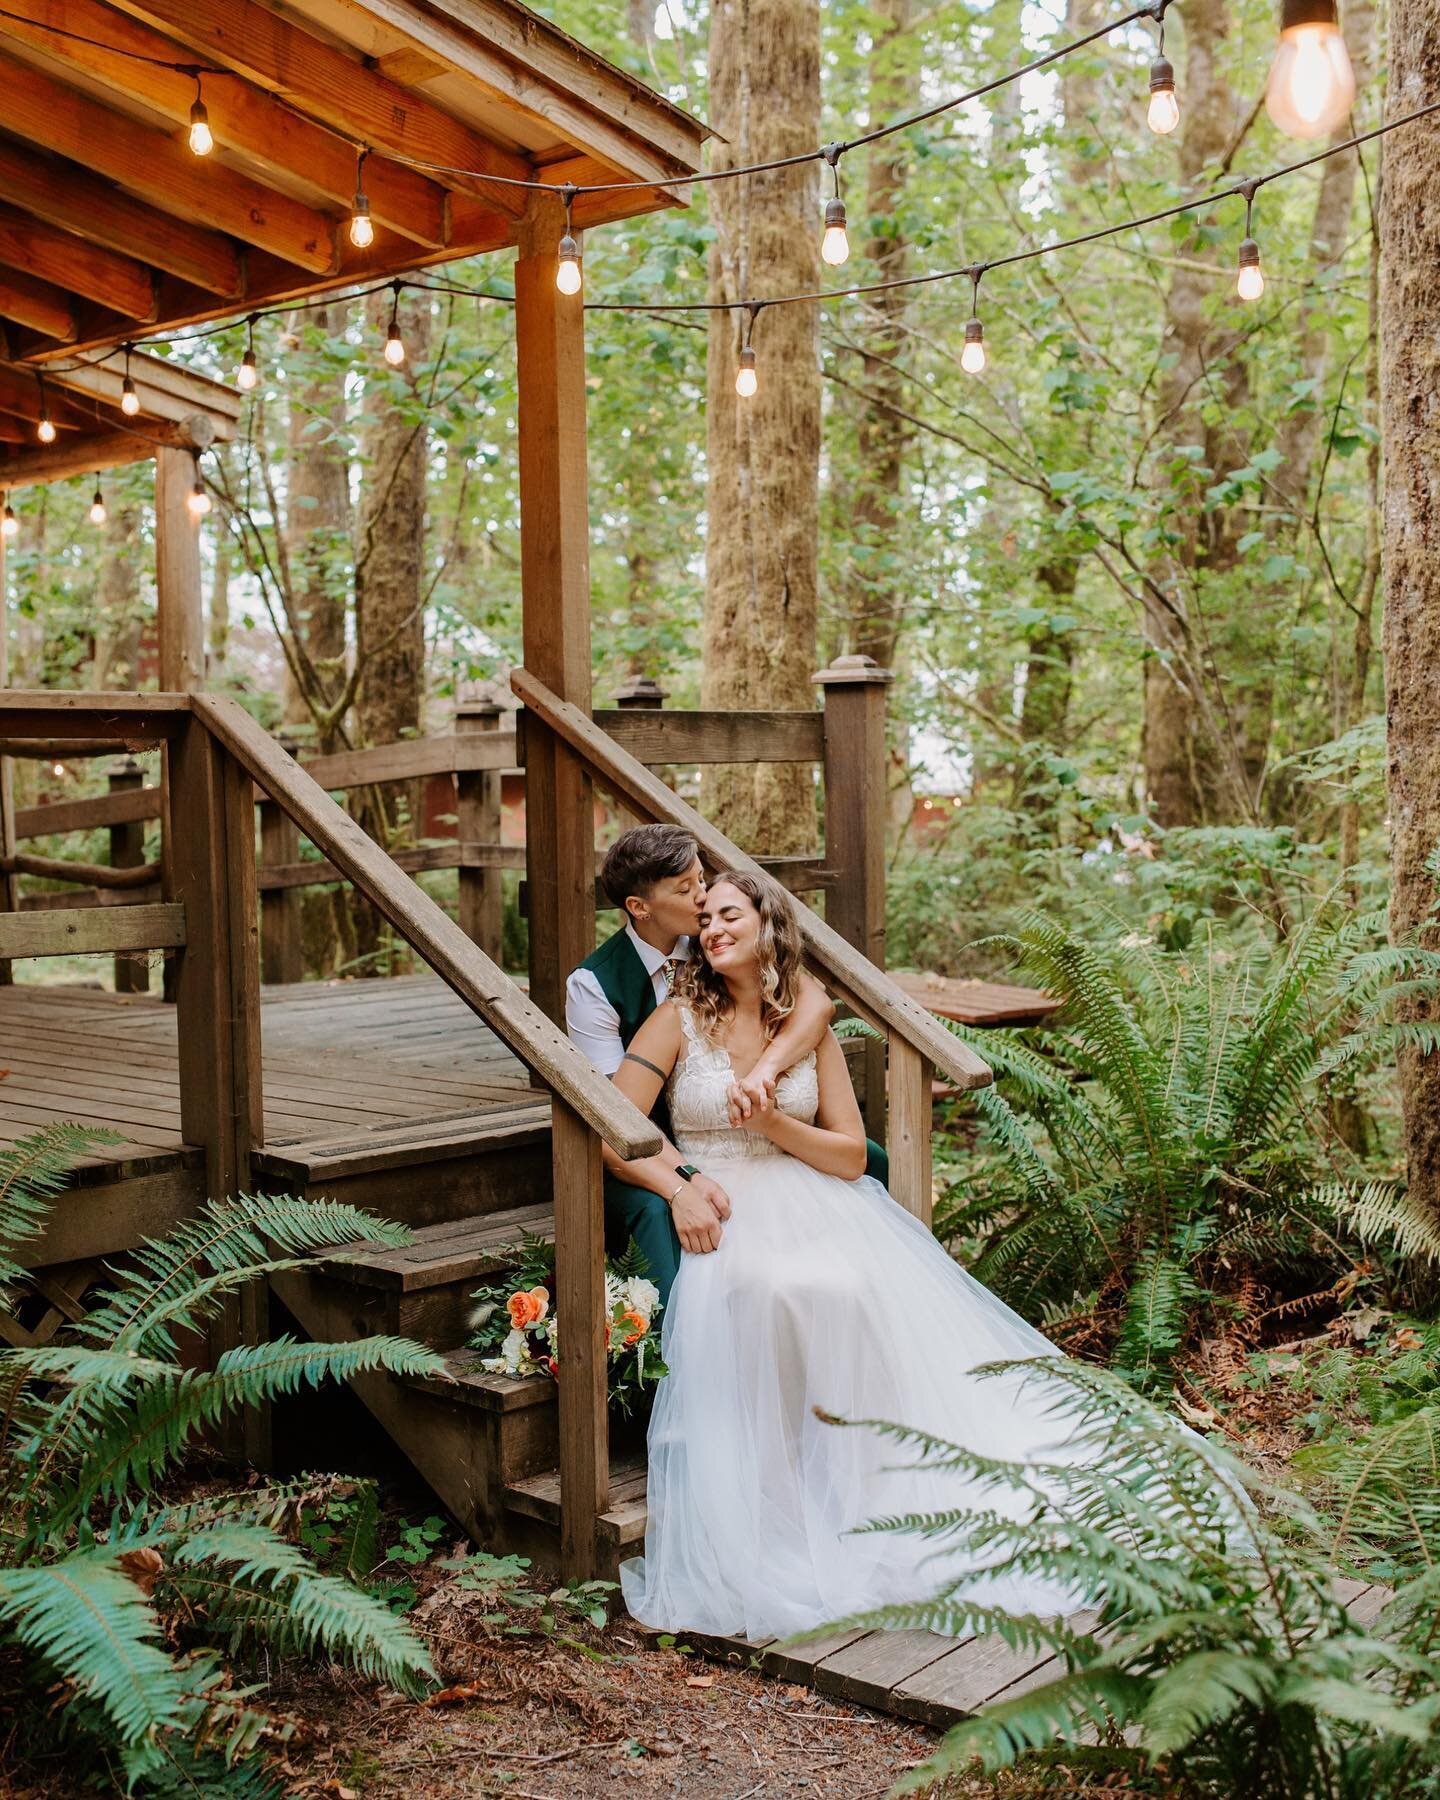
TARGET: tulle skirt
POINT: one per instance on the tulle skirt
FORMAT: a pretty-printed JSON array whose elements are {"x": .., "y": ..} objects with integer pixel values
[{"x": 824, "y": 1293}]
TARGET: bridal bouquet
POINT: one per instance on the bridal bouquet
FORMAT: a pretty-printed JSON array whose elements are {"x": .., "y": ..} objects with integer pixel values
[{"x": 517, "y": 1323}]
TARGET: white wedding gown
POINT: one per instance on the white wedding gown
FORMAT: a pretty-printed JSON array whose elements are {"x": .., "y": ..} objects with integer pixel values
[{"x": 823, "y": 1293}]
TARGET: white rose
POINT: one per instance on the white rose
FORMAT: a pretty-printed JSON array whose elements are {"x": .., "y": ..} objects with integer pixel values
[{"x": 641, "y": 1296}]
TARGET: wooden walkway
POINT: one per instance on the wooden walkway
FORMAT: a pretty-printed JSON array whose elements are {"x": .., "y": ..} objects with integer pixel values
[{"x": 340, "y": 1058}]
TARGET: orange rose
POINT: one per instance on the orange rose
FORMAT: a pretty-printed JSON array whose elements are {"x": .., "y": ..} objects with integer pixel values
[
  {"x": 641, "y": 1324},
  {"x": 527, "y": 1309}
]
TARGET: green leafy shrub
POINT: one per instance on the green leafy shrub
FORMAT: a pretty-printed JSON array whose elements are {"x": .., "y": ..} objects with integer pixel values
[
  {"x": 1216, "y": 1658},
  {"x": 1169, "y": 1142},
  {"x": 132, "y": 1603}
]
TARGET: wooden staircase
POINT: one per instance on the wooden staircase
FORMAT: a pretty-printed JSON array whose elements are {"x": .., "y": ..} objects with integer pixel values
[{"x": 487, "y": 1444}]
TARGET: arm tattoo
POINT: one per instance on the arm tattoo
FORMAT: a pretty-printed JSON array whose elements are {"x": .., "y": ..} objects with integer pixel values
[{"x": 630, "y": 1056}]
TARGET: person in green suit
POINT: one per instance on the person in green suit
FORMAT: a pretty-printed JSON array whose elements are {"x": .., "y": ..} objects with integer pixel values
[{"x": 654, "y": 875}]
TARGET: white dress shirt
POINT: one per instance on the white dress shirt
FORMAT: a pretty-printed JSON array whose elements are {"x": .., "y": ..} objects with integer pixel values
[{"x": 593, "y": 1023}]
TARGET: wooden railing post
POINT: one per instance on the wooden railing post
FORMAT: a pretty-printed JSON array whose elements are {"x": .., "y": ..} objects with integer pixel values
[
  {"x": 854, "y": 688},
  {"x": 9, "y": 884},
  {"x": 912, "y": 1078},
  {"x": 127, "y": 851},
  {"x": 281, "y": 956},
  {"x": 211, "y": 869},
  {"x": 580, "y": 1307},
  {"x": 478, "y": 821}
]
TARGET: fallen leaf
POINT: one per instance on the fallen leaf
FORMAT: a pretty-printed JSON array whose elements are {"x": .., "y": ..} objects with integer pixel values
[
  {"x": 1363, "y": 1322},
  {"x": 339, "y": 1791},
  {"x": 699, "y": 1681},
  {"x": 794, "y": 1691},
  {"x": 144, "y": 1567},
  {"x": 1408, "y": 1338},
  {"x": 453, "y": 1696}
]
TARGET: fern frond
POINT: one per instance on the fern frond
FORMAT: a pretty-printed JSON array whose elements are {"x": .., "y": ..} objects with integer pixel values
[
  {"x": 1199, "y": 1693},
  {"x": 33, "y": 1170},
  {"x": 1378, "y": 1210}
]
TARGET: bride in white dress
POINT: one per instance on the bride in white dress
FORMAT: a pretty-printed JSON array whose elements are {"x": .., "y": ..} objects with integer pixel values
[{"x": 823, "y": 1292}]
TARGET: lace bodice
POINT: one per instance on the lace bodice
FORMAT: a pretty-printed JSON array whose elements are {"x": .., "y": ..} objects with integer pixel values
[{"x": 698, "y": 1113}]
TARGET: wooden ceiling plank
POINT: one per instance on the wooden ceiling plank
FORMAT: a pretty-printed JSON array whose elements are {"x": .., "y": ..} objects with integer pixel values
[
  {"x": 70, "y": 262},
  {"x": 84, "y": 203},
  {"x": 244, "y": 118},
  {"x": 29, "y": 301},
  {"x": 21, "y": 393},
  {"x": 321, "y": 80},
  {"x": 160, "y": 168},
  {"x": 165, "y": 390},
  {"x": 528, "y": 64},
  {"x": 87, "y": 454}
]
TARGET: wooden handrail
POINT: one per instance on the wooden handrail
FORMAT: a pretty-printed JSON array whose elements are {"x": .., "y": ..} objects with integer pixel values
[
  {"x": 867, "y": 989},
  {"x": 430, "y": 931},
  {"x": 98, "y": 875}
]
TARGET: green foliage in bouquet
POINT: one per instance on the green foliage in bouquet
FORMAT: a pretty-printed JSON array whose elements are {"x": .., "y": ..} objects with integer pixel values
[
  {"x": 516, "y": 1322},
  {"x": 1215, "y": 1658},
  {"x": 1170, "y": 1140},
  {"x": 126, "y": 1605}
]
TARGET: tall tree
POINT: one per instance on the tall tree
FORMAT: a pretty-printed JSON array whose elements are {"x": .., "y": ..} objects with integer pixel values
[
  {"x": 763, "y": 452},
  {"x": 1410, "y": 383}
]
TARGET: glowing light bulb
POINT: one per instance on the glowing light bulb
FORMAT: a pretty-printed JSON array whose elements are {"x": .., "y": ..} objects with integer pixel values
[
  {"x": 45, "y": 430},
  {"x": 198, "y": 500},
  {"x": 747, "y": 381},
  {"x": 394, "y": 346},
  {"x": 362, "y": 231},
  {"x": 1312, "y": 85},
  {"x": 835, "y": 245},
  {"x": 9, "y": 524},
  {"x": 129, "y": 399},
  {"x": 1164, "y": 113},
  {"x": 567, "y": 271},
  {"x": 247, "y": 375},
  {"x": 57, "y": 769},
  {"x": 98, "y": 514},
  {"x": 972, "y": 357},
  {"x": 202, "y": 139},
  {"x": 1249, "y": 281}
]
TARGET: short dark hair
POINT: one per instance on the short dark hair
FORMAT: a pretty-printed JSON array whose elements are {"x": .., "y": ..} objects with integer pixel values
[{"x": 643, "y": 856}]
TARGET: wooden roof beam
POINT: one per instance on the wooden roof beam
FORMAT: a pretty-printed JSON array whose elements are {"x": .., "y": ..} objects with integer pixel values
[
  {"x": 84, "y": 269},
  {"x": 165, "y": 390},
  {"x": 246, "y": 120},
  {"x": 29, "y": 301},
  {"x": 161, "y": 168},
  {"x": 340, "y": 90},
  {"x": 21, "y": 393},
  {"x": 80, "y": 202},
  {"x": 88, "y": 453}
]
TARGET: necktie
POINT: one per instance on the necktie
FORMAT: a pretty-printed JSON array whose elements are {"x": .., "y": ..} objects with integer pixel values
[{"x": 670, "y": 965}]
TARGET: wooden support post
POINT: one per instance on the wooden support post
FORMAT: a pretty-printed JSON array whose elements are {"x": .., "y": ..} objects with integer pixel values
[
  {"x": 127, "y": 851},
  {"x": 855, "y": 818},
  {"x": 9, "y": 884},
  {"x": 560, "y": 819},
  {"x": 478, "y": 819},
  {"x": 281, "y": 951},
  {"x": 912, "y": 1079},
  {"x": 211, "y": 868},
  {"x": 178, "y": 602}
]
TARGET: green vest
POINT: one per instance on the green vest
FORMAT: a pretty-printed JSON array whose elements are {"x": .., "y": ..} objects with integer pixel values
[{"x": 629, "y": 989}]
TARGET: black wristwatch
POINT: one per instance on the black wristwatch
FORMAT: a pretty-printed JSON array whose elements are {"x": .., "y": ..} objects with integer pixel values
[{"x": 688, "y": 1170}]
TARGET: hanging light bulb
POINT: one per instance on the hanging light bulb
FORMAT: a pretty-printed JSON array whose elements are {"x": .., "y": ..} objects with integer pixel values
[
  {"x": 972, "y": 357},
  {"x": 9, "y": 524},
  {"x": 746, "y": 380},
  {"x": 202, "y": 139},
  {"x": 835, "y": 245},
  {"x": 362, "y": 231},
  {"x": 1250, "y": 281},
  {"x": 248, "y": 374},
  {"x": 98, "y": 514},
  {"x": 129, "y": 399},
  {"x": 394, "y": 344},
  {"x": 567, "y": 270},
  {"x": 1164, "y": 113},
  {"x": 1312, "y": 86},
  {"x": 197, "y": 500},
  {"x": 45, "y": 430}
]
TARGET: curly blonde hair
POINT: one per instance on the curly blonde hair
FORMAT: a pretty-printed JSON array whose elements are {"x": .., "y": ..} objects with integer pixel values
[{"x": 781, "y": 960}]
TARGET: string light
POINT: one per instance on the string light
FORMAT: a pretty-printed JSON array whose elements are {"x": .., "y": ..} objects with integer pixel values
[
  {"x": 98, "y": 514},
  {"x": 1249, "y": 281},
  {"x": 835, "y": 245},
  {"x": 197, "y": 500},
  {"x": 248, "y": 374},
  {"x": 747, "y": 380},
  {"x": 45, "y": 430},
  {"x": 1164, "y": 113},
  {"x": 972, "y": 357},
  {"x": 9, "y": 524},
  {"x": 567, "y": 270},
  {"x": 362, "y": 230},
  {"x": 202, "y": 139},
  {"x": 1312, "y": 86},
  {"x": 394, "y": 343},
  {"x": 129, "y": 399}
]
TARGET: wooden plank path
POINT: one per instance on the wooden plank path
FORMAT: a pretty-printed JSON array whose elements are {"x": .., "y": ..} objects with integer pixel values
[
  {"x": 920, "y": 1675},
  {"x": 341, "y": 1059}
]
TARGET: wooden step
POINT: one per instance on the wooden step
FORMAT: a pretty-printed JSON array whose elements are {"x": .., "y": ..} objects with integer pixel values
[
  {"x": 415, "y": 1141},
  {"x": 622, "y": 1524}
]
